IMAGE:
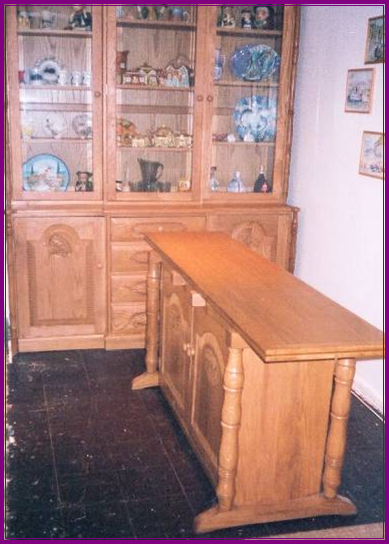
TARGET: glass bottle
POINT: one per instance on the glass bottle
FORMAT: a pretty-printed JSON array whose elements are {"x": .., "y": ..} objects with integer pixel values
[
  {"x": 236, "y": 184},
  {"x": 261, "y": 185}
]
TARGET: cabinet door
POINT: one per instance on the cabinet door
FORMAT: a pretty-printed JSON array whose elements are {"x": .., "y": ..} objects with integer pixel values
[
  {"x": 60, "y": 281},
  {"x": 54, "y": 61},
  {"x": 249, "y": 102},
  {"x": 176, "y": 357},
  {"x": 155, "y": 101},
  {"x": 210, "y": 341}
]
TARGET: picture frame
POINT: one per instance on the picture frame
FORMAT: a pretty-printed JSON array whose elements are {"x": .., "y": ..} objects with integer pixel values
[
  {"x": 371, "y": 162},
  {"x": 374, "y": 52},
  {"x": 359, "y": 90}
]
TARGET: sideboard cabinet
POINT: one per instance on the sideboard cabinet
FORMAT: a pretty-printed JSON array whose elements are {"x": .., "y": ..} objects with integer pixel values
[{"x": 123, "y": 120}]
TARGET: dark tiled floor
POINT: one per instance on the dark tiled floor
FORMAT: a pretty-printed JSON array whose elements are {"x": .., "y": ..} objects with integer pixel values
[{"x": 90, "y": 458}]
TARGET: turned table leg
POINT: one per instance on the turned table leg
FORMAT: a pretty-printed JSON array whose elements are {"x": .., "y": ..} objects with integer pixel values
[
  {"x": 230, "y": 421},
  {"x": 336, "y": 441},
  {"x": 151, "y": 377}
]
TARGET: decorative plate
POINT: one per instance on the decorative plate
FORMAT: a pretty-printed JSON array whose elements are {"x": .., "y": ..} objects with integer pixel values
[
  {"x": 255, "y": 118},
  {"x": 49, "y": 69},
  {"x": 54, "y": 125},
  {"x": 44, "y": 173},
  {"x": 82, "y": 126},
  {"x": 254, "y": 62}
]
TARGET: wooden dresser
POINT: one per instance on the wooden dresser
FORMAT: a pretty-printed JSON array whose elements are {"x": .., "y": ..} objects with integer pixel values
[
  {"x": 258, "y": 368},
  {"x": 77, "y": 254}
]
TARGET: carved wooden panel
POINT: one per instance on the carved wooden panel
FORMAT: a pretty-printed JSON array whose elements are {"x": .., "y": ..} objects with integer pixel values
[
  {"x": 210, "y": 342},
  {"x": 128, "y": 289},
  {"x": 129, "y": 258},
  {"x": 60, "y": 279},
  {"x": 126, "y": 230},
  {"x": 253, "y": 235},
  {"x": 129, "y": 320},
  {"x": 258, "y": 233},
  {"x": 175, "y": 364}
]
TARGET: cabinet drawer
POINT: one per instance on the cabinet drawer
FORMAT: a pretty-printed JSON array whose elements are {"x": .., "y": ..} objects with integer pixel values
[
  {"x": 128, "y": 258},
  {"x": 129, "y": 289},
  {"x": 127, "y": 230},
  {"x": 128, "y": 319}
]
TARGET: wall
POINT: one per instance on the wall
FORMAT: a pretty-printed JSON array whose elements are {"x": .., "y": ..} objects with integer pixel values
[{"x": 340, "y": 242}]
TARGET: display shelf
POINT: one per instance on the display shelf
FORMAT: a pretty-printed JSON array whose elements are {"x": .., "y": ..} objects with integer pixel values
[
  {"x": 269, "y": 84},
  {"x": 248, "y": 32},
  {"x": 129, "y": 87},
  {"x": 56, "y": 140},
  {"x": 245, "y": 144},
  {"x": 155, "y": 24},
  {"x": 29, "y": 87},
  {"x": 157, "y": 149},
  {"x": 55, "y": 32}
]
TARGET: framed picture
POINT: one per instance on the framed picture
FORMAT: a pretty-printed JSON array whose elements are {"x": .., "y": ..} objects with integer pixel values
[
  {"x": 372, "y": 155},
  {"x": 375, "y": 41},
  {"x": 359, "y": 90}
]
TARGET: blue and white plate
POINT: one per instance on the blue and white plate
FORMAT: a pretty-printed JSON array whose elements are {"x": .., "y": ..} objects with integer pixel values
[
  {"x": 254, "y": 62},
  {"x": 255, "y": 118},
  {"x": 44, "y": 173}
]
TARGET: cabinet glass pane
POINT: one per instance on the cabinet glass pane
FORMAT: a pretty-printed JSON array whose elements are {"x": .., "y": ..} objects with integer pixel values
[
  {"x": 246, "y": 76},
  {"x": 155, "y": 63},
  {"x": 55, "y": 96}
]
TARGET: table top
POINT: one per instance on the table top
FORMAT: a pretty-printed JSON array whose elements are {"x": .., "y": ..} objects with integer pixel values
[{"x": 279, "y": 316}]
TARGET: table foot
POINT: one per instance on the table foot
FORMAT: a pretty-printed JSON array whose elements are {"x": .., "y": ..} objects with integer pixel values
[
  {"x": 313, "y": 506},
  {"x": 146, "y": 380}
]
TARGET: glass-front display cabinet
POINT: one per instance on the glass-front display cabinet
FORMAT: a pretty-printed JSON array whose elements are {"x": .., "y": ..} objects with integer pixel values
[
  {"x": 153, "y": 137},
  {"x": 55, "y": 107},
  {"x": 250, "y": 96}
]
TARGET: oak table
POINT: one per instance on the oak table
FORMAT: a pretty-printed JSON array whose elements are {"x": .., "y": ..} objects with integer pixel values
[{"x": 258, "y": 368}]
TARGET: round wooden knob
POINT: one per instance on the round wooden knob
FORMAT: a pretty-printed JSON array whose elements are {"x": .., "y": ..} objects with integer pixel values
[
  {"x": 200, "y": 98},
  {"x": 210, "y": 98},
  {"x": 97, "y": 94},
  {"x": 100, "y": 266}
]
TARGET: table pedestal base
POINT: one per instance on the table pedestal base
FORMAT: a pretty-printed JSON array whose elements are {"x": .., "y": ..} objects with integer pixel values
[
  {"x": 316, "y": 505},
  {"x": 145, "y": 380}
]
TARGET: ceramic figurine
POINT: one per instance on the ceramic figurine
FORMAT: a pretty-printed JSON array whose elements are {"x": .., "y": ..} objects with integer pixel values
[
  {"x": 164, "y": 137},
  {"x": 125, "y": 132},
  {"x": 264, "y": 17},
  {"x": 84, "y": 182},
  {"x": 219, "y": 64},
  {"x": 213, "y": 182},
  {"x": 121, "y": 65},
  {"x": 47, "y": 18},
  {"x": 143, "y": 12},
  {"x": 247, "y": 19},
  {"x": 178, "y": 14},
  {"x": 80, "y": 18},
  {"x": 24, "y": 18},
  {"x": 227, "y": 16}
]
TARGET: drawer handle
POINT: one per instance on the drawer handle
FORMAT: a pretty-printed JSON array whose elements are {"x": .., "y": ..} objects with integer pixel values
[
  {"x": 200, "y": 98},
  {"x": 97, "y": 94},
  {"x": 210, "y": 98}
]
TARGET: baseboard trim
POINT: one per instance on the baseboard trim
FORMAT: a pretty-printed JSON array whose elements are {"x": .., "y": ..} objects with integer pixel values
[{"x": 368, "y": 396}]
